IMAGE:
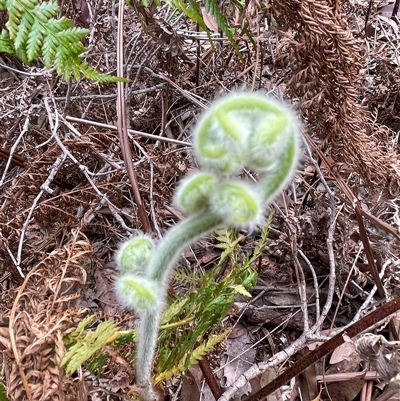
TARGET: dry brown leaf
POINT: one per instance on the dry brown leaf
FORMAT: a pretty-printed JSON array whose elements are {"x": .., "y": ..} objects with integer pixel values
[
  {"x": 344, "y": 352},
  {"x": 267, "y": 377},
  {"x": 41, "y": 315},
  {"x": 345, "y": 391},
  {"x": 191, "y": 385},
  {"x": 209, "y": 20},
  {"x": 239, "y": 356}
]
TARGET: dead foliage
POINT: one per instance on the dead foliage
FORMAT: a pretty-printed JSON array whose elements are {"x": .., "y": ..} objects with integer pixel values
[
  {"x": 323, "y": 70},
  {"x": 41, "y": 315}
]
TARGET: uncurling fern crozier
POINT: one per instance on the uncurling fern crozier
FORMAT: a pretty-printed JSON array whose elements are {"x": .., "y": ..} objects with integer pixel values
[
  {"x": 33, "y": 31},
  {"x": 242, "y": 130}
]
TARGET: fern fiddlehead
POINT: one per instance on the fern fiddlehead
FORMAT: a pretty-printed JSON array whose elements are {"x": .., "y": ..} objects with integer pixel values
[{"x": 238, "y": 131}]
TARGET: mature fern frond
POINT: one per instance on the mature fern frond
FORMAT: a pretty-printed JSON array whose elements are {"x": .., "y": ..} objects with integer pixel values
[
  {"x": 173, "y": 310},
  {"x": 200, "y": 312},
  {"x": 206, "y": 347},
  {"x": 228, "y": 241},
  {"x": 34, "y": 31},
  {"x": 83, "y": 324},
  {"x": 240, "y": 289}
]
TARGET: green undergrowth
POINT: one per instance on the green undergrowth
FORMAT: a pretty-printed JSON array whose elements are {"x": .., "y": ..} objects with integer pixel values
[{"x": 191, "y": 325}]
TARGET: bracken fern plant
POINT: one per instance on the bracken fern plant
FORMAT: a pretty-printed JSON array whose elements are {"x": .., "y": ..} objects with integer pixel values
[
  {"x": 239, "y": 131},
  {"x": 33, "y": 31}
]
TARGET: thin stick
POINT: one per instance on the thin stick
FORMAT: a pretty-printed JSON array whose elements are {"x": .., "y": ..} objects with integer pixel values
[
  {"x": 140, "y": 133},
  {"x": 122, "y": 127}
]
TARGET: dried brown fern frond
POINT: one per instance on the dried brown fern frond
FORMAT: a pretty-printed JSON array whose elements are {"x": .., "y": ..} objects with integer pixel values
[
  {"x": 323, "y": 60},
  {"x": 41, "y": 316},
  {"x": 33, "y": 221}
]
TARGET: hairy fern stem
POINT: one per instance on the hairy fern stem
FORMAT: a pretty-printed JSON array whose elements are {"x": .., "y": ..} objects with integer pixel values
[{"x": 175, "y": 241}]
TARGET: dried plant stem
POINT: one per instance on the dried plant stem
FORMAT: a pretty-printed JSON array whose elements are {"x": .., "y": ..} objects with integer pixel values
[
  {"x": 13, "y": 149},
  {"x": 349, "y": 195},
  {"x": 329, "y": 241},
  {"x": 315, "y": 282},
  {"x": 122, "y": 126},
  {"x": 368, "y": 251},
  {"x": 210, "y": 378},
  {"x": 131, "y": 131},
  {"x": 104, "y": 199},
  {"x": 44, "y": 188},
  {"x": 299, "y": 271}
]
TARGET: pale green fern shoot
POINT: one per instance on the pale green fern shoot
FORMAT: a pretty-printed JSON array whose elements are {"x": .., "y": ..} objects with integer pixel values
[{"x": 87, "y": 344}]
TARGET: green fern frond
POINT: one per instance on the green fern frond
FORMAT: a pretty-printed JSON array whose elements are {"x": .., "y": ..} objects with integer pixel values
[
  {"x": 175, "y": 309},
  {"x": 125, "y": 336},
  {"x": 83, "y": 324},
  {"x": 45, "y": 11},
  {"x": 228, "y": 241},
  {"x": 200, "y": 312},
  {"x": 183, "y": 279},
  {"x": 94, "y": 75},
  {"x": 25, "y": 26},
  {"x": 34, "y": 41},
  {"x": 96, "y": 366},
  {"x": 197, "y": 354},
  {"x": 239, "y": 288},
  {"x": 5, "y": 42},
  {"x": 205, "y": 348},
  {"x": 190, "y": 10},
  {"x": 222, "y": 236},
  {"x": 15, "y": 15},
  {"x": 34, "y": 31},
  {"x": 264, "y": 237},
  {"x": 87, "y": 345}
]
